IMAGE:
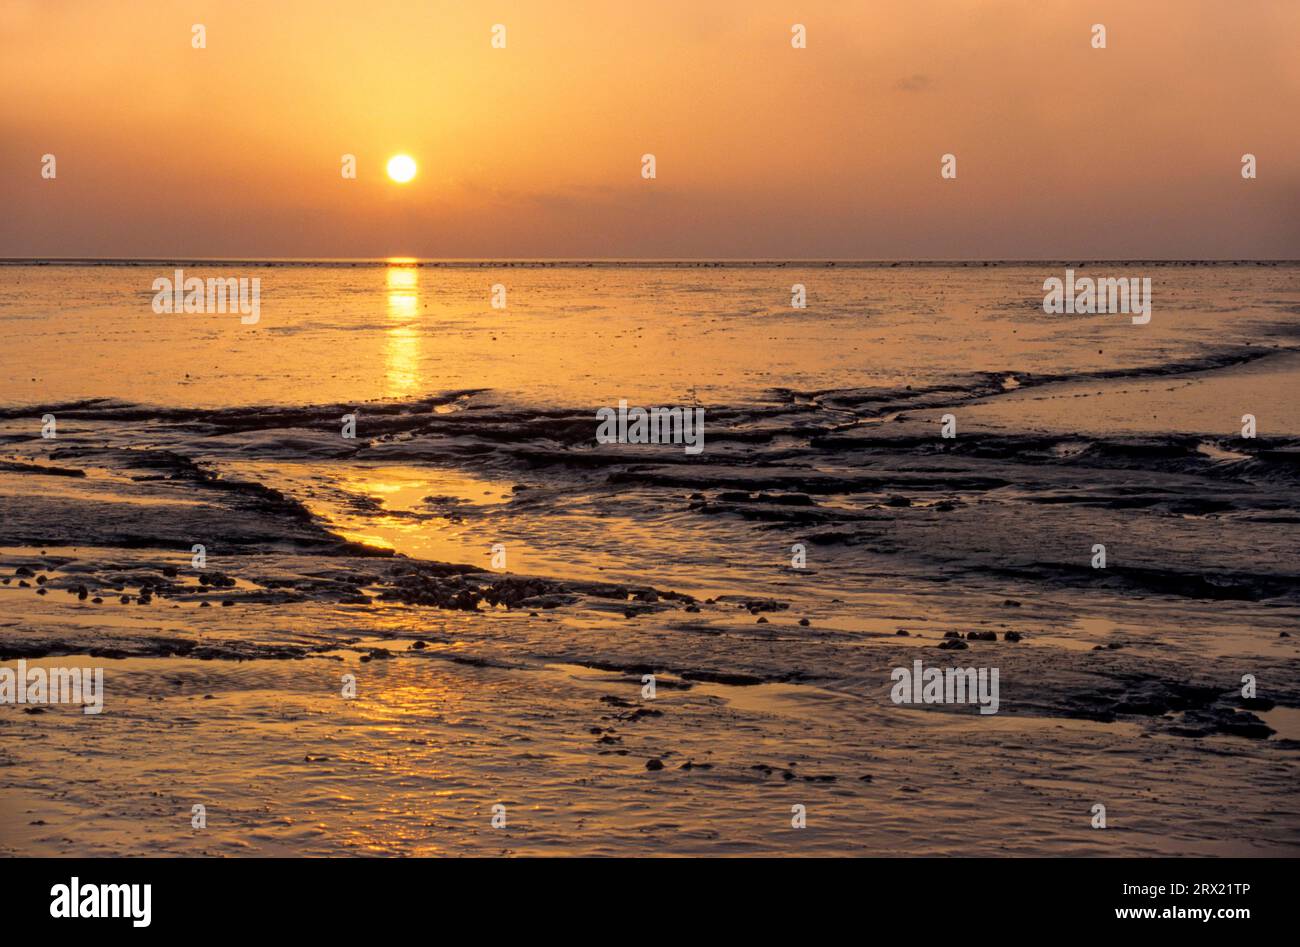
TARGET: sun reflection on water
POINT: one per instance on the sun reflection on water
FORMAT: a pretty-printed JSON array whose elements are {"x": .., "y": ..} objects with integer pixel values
[{"x": 402, "y": 338}]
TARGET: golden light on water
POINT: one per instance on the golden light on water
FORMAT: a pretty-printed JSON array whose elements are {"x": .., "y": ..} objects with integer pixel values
[
  {"x": 402, "y": 345},
  {"x": 403, "y": 290},
  {"x": 401, "y": 168}
]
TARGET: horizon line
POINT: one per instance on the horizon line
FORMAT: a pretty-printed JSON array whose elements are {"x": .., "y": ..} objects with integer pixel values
[{"x": 562, "y": 262}]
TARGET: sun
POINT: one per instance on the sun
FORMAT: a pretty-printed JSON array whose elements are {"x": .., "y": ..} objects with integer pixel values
[{"x": 401, "y": 168}]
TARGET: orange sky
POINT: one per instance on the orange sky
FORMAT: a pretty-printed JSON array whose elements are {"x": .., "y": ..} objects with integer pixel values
[{"x": 763, "y": 150}]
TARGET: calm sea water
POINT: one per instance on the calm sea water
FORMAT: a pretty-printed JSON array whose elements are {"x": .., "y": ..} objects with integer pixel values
[{"x": 587, "y": 336}]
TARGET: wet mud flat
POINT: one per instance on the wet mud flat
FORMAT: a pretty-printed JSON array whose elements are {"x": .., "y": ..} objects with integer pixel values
[{"x": 478, "y": 687}]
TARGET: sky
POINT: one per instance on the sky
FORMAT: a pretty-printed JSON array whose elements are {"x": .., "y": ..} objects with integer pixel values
[{"x": 762, "y": 150}]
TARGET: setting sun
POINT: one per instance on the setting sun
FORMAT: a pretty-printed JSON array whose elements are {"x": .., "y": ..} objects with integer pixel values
[{"x": 401, "y": 168}]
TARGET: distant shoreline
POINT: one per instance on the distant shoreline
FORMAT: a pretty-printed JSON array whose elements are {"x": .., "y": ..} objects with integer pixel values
[{"x": 615, "y": 263}]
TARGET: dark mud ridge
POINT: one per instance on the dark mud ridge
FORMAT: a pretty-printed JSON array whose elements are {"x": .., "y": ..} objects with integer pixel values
[{"x": 465, "y": 588}]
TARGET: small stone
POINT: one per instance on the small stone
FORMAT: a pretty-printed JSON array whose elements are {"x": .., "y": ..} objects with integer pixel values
[{"x": 654, "y": 764}]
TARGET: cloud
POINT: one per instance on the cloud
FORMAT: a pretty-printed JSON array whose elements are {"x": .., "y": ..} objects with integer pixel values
[{"x": 913, "y": 83}]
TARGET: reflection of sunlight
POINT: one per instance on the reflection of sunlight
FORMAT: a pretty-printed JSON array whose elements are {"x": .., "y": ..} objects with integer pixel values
[
  {"x": 402, "y": 349},
  {"x": 402, "y": 277},
  {"x": 367, "y": 539},
  {"x": 418, "y": 511}
]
